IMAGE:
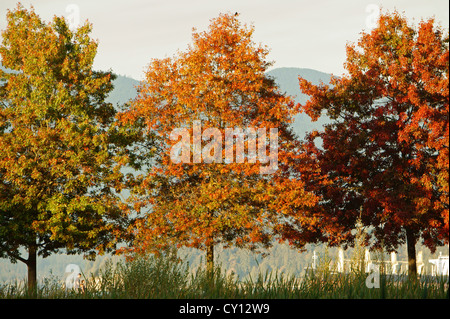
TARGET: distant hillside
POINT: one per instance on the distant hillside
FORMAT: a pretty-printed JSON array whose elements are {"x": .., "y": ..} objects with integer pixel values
[
  {"x": 124, "y": 90},
  {"x": 287, "y": 80}
]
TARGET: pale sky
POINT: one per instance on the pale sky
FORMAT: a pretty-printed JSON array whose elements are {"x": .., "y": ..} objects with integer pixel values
[{"x": 304, "y": 34}]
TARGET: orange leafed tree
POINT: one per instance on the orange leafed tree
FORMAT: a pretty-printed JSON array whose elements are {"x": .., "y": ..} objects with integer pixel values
[
  {"x": 386, "y": 150},
  {"x": 219, "y": 83}
]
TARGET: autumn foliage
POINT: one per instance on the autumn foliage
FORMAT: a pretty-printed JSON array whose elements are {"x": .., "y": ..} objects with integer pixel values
[
  {"x": 382, "y": 160},
  {"x": 386, "y": 149},
  {"x": 220, "y": 82}
]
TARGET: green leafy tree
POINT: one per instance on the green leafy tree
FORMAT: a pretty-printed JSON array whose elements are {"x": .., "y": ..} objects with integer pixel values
[{"x": 57, "y": 164}]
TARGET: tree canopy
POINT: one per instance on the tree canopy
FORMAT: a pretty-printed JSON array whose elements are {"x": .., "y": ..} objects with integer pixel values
[
  {"x": 386, "y": 150},
  {"x": 218, "y": 190},
  {"x": 56, "y": 158}
]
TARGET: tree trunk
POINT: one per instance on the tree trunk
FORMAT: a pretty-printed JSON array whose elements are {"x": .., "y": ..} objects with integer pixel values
[
  {"x": 411, "y": 247},
  {"x": 210, "y": 258},
  {"x": 32, "y": 268}
]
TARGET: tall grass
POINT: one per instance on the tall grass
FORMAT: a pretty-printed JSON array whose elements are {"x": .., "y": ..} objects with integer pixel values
[{"x": 168, "y": 277}]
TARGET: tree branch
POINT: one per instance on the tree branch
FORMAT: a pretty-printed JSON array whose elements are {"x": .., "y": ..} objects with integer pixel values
[{"x": 17, "y": 257}]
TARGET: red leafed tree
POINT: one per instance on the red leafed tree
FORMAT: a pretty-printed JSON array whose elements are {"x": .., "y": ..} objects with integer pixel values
[
  {"x": 218, "y": 83},
  {"x": 386, "y": 150}
]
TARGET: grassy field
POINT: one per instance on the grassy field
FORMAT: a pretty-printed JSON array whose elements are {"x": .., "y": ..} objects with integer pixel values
[{"x": 169, "y": 278}]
